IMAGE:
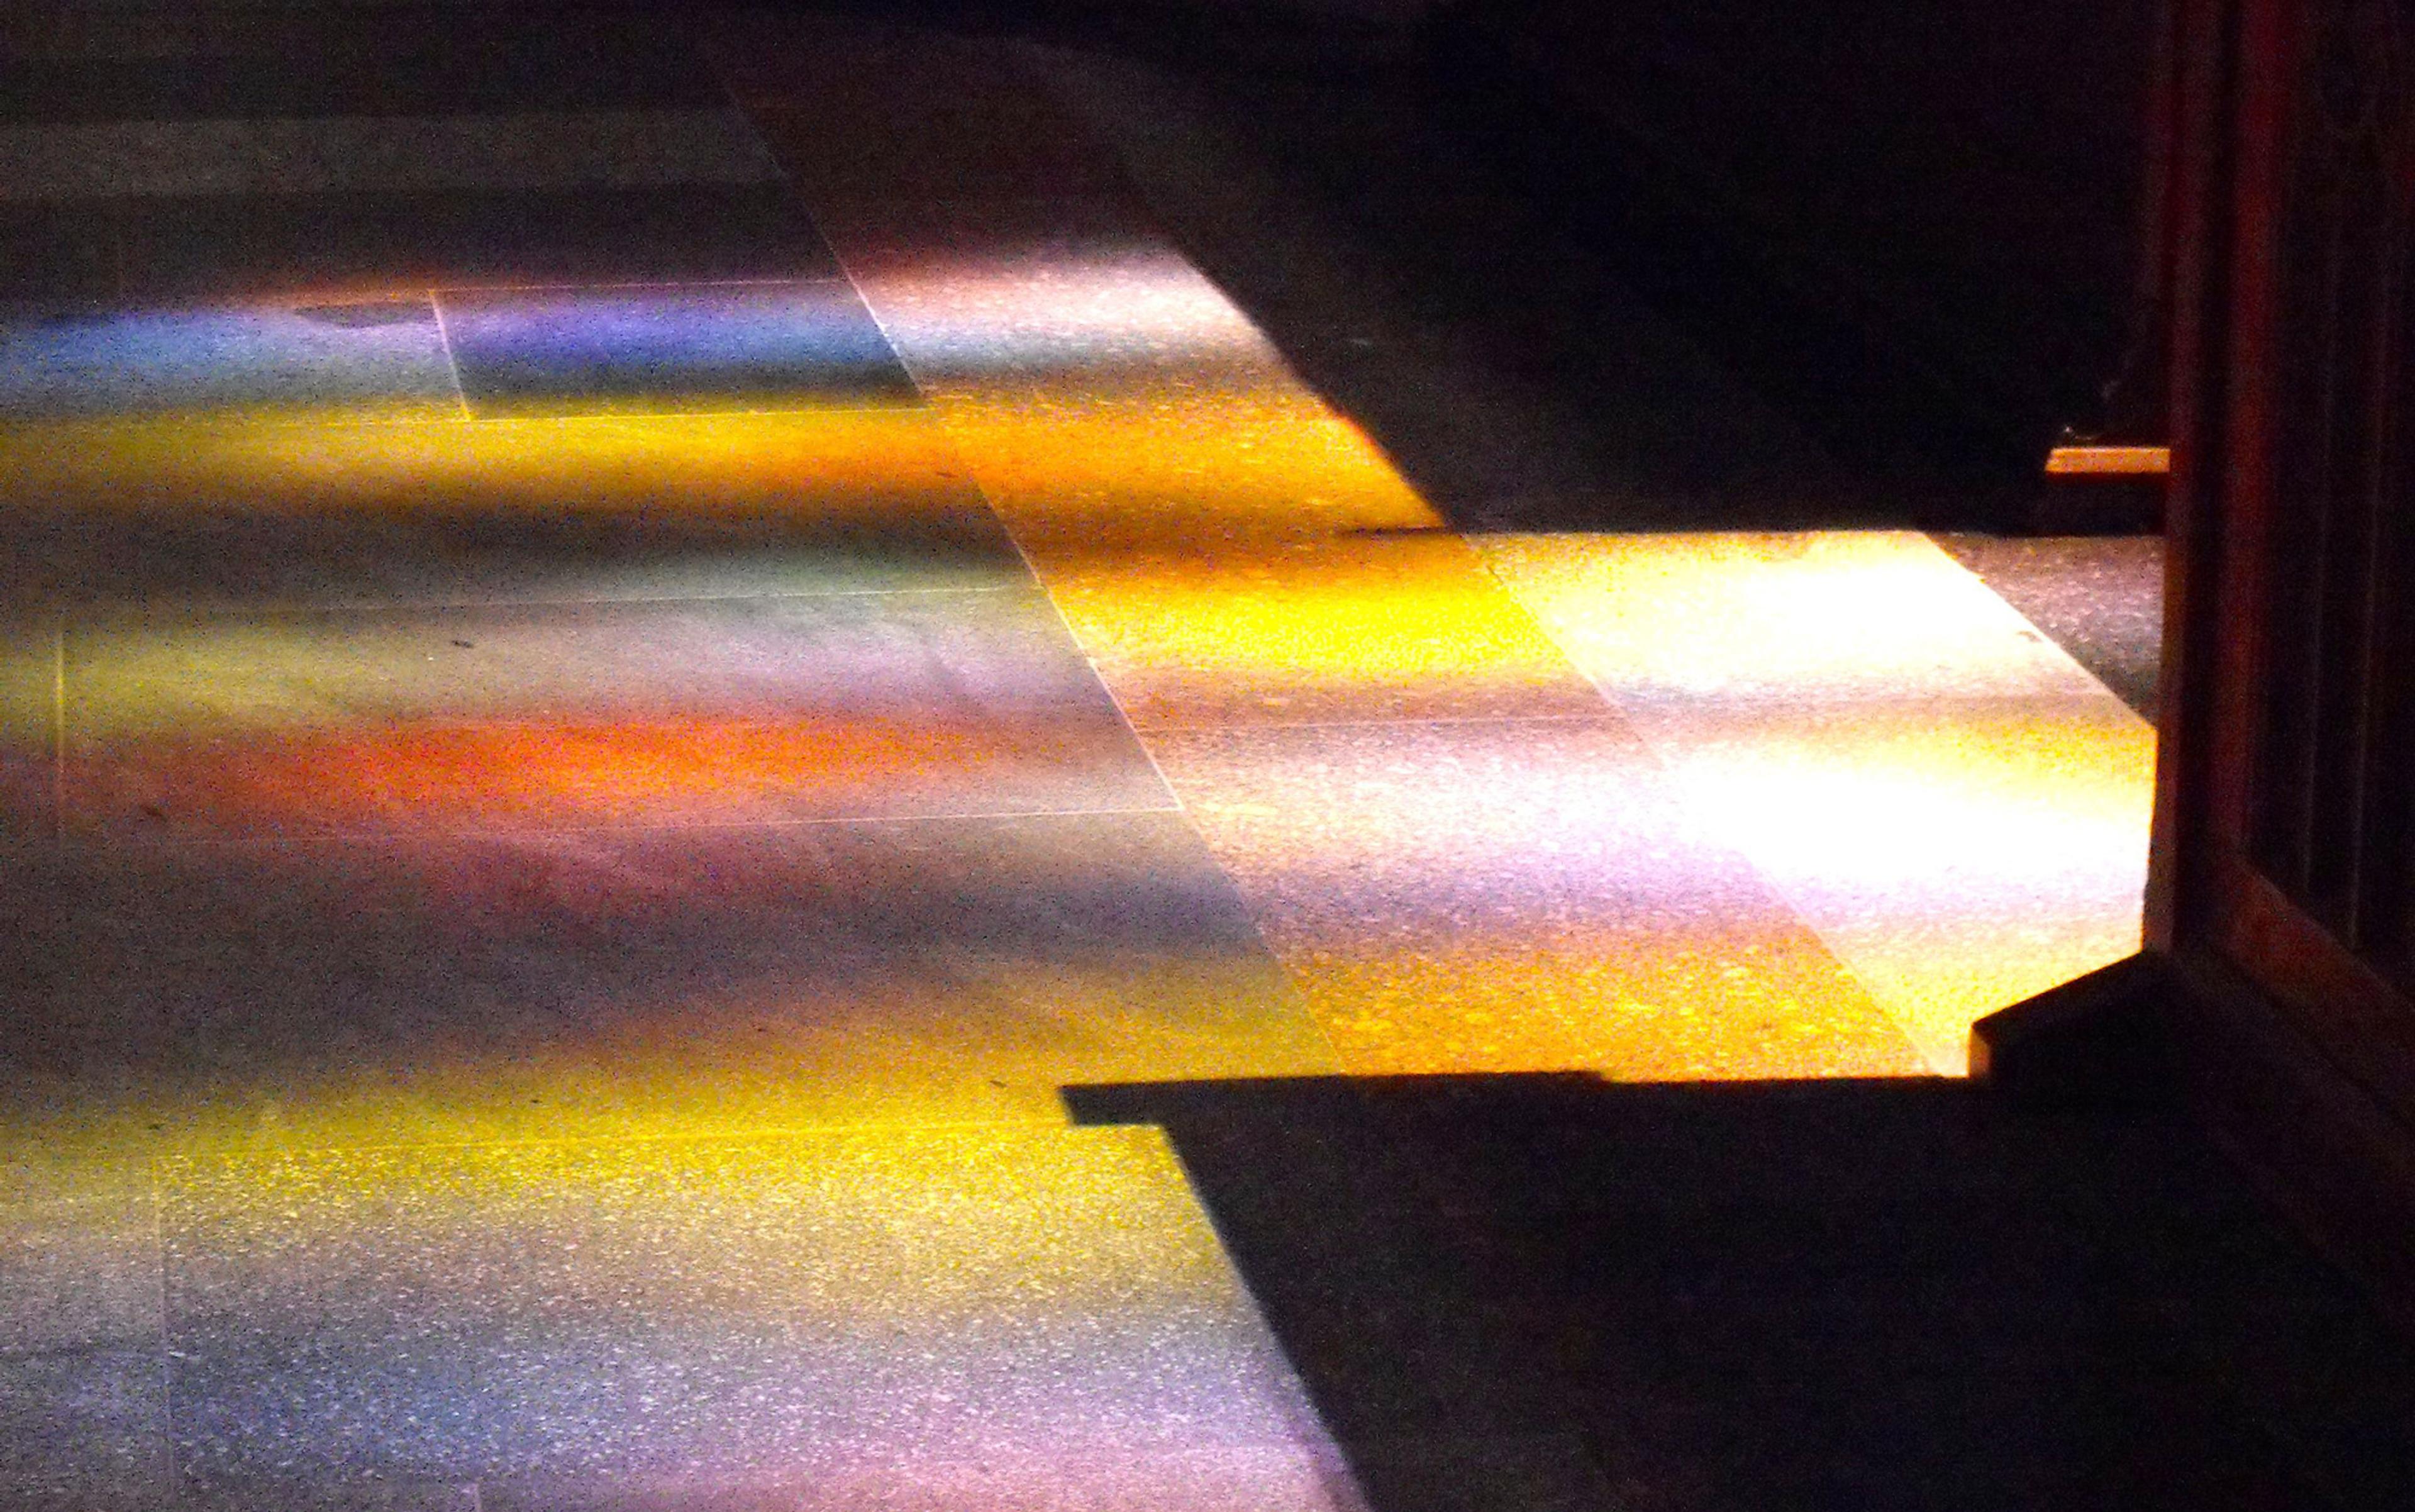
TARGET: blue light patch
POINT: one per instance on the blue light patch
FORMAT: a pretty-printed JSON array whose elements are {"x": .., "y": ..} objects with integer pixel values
[
  {"x": 671, "y": 349},
  {"x": 383, "y": 353}
]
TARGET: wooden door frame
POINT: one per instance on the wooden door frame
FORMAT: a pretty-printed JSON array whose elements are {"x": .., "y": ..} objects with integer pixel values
[{"x": 2299, "y": 1073}]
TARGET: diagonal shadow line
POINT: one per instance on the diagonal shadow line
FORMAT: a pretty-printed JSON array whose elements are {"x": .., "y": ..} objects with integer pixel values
[{"x": 1550, "y": 1290}]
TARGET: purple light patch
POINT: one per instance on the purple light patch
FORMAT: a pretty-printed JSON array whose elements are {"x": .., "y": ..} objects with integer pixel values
[{"x": 737, "y": 347}]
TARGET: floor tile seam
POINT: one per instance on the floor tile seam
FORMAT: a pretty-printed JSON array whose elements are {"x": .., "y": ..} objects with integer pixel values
[
  {"x": 1667, "y": 760},
  {"x": 2046, "y": 636},
  {"x": 1672, "y": 756},
  {"x": 97, "y": 838},
  {"x": 91, "y": 616},
  {"x": 1232, "y": 883},
  {"x": 886, "y": 326},
  {"x": 1014, "y": 540},
  {"x": 709, "y": 54},
  {"x": 487, "y": 409},
  {"x": 167, "y": 1330},
  {"x": 92, "y": 747},
  {"x": 59, "y": 729},
  {"x": 402, "y": 416},
  {"x": 846, "y": 274},
  {"x": 1098, "y": 678},
  {"x": 452, "y": 358},
  {"x": 426, "y": 172},
  {"x": 499, "y": 115},
  {"x": 942, "y": 394},
  {"x": 796, "y": 281}
]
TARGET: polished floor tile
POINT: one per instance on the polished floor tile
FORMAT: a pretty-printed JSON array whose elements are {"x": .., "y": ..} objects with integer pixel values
[
  {"x": 651, "y": 862},
  {"x": 1356, "y": 628},
  {"x": 79, "y": 1257},
  {"x": 373, "y": 357},
  {"x": 2100, "y": 597},
  {"x": 255, "y": 510},
  {"x": 1518, "y": 896},
  {"x": 82, "y": 1383},
  {"x": 1799, "y": 618},
  {"x": 845, "y": 1306},
  {"x": 744, "y": 347},
  {"x": 673, "y": 982},
  {"x": 370, "y": 244},
  {"x": 1072, "y": 301},
  {"x": 546, "y": 717}
]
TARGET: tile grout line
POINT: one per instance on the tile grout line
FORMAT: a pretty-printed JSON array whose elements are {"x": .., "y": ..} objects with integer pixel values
[
  {"x": 703, "y": 48},
  {"x": 1667, "y": 751},
  {"x": 452, "y": 363},
  {"x": 167, "y": 1353},
  {"x": 1006, "y": 527},
  {"x": 59, "y": 731},
  {"x": 1315, "y": 1021},
  {"x": 1662, "y": 756},
  {"x": 2045, "y": 636}
]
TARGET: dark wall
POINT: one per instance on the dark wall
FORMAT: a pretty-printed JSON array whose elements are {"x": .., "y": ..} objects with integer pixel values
[{"x": 1951, "y": 186}]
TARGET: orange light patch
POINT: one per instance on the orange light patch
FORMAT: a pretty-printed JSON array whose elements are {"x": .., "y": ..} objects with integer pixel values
[
  {"x": 1353, "y": 628},
  {"x": 1199, "y": 473},
  {"x": 654, "y": 770}
]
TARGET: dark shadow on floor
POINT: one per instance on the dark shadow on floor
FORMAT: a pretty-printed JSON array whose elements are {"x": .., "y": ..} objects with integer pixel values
[
  {"x": 1535, "y": 345},
  {"x": 1549, "y": 1292}
]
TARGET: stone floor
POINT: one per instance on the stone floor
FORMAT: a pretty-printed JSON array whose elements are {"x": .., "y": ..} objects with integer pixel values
[{"x": 718, "y": 794}]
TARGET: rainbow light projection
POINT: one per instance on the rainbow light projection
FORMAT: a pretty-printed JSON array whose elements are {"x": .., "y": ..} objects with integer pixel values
[{"x": 553, "y": 913}]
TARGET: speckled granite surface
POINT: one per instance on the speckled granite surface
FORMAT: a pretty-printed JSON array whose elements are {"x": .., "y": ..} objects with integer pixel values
[{"x": 734, "y": 775}]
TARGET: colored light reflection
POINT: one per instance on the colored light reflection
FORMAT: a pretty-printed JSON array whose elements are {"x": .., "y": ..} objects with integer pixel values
[
  {"x": 1195, "y": 473},
  {"x": 357, "y": 356},
  {"x": 876, "y": 464},
  {"x": 1048, "y": 1306},
  {"x": 1954, "y": 805},
  {"x": 1349, "y": 628},
  {"x": 1044, "y": 315},
  {"x": 643, "y": 1049}
]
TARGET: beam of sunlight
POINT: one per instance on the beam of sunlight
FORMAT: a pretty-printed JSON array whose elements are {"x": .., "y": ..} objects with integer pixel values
[
  {"x": 1956, "y": 805},
  {"x": 1038, "y": 1311},
  {"x": 565, "y": 843}
]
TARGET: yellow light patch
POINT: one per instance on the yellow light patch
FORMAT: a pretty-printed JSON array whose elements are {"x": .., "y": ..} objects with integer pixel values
[
  {"x": 1959, "y": 856},
  {"x": 1402, "y": 627},
  {"x": 879, "y": 462},
  {"x": 1794, "y": 618},
  {"x": 1200, "y": 472},
  {"x": 1950, "y": 801}
]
